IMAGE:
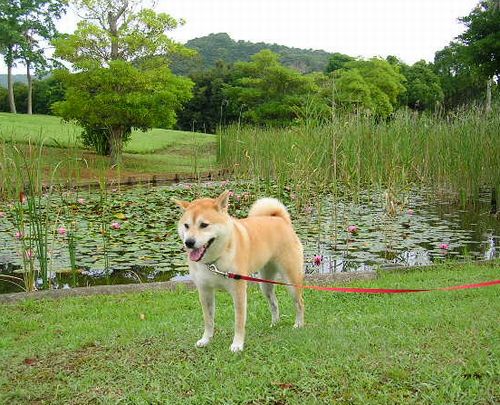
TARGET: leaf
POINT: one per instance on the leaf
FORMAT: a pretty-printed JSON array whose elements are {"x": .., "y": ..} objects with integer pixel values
[{"x": 120, "y": 215}]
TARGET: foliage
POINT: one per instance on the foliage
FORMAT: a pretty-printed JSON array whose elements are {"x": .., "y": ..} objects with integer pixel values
[
  {"x": 220, "y": 47},
  {"x": 209, "y": 107},
  {"x": 45, "y": 92},
  {"x": 266, "y": 91},
  {"x": 482, "y": 37},
  {"x": 121, "y": 96},
  {"x": 372, "y": 85},
  {"x": 423, "y": 88},
  {"x": 458, "y": 152},
  {"x": 460, "y": 80},
  {"x": 121, "y": 52},
  {"x": 337, "y": 61}
]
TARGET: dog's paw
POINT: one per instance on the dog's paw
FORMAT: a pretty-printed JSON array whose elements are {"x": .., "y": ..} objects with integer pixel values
[
  {"x": 202, "y": 342},
  {"x": 237, "y": 347}
]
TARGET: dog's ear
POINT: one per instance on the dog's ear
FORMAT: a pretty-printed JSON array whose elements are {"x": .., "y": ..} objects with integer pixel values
[
  {"x": 222, "y": 201},
  {"x": 180, "y": 203}
]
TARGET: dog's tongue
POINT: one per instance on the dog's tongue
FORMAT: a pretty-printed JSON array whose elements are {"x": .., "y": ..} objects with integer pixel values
[{"x": 196, "y": 254}]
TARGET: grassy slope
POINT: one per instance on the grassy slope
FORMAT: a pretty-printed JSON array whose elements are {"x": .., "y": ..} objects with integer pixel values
[
  {"x": 435, "y": 348},
  {"x": 157, "y": 151}
]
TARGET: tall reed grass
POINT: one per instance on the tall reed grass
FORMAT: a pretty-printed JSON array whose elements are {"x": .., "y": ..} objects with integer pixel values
[{"x": 458, "y": 151}]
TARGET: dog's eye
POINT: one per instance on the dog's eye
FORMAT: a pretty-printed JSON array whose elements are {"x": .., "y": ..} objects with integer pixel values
[
  {"x": 203, "y": 225},
  {"x": 186, "y": 226}
]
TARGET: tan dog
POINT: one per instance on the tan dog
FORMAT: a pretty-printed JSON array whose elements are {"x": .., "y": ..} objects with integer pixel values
[{"x": 265, "y": 242}]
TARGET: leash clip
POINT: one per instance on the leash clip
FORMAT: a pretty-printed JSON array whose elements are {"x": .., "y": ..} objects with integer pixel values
[{"x": 213, "y": 268}]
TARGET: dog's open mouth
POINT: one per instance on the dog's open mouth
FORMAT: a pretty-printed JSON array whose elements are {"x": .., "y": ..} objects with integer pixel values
[{"x": 197, "y": 254}]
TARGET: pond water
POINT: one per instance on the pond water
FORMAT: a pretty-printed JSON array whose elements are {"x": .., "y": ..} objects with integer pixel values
[{"x": 138, "y": 227}]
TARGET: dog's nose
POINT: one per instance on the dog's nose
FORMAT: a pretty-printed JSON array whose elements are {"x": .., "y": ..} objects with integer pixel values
[{"x": 190, "y": 243}]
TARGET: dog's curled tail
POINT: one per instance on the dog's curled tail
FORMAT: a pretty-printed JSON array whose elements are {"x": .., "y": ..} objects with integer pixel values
[{"x": 269, "y": 207}]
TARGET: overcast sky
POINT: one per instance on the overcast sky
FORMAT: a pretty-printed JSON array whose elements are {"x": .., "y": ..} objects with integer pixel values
[{"x": 409, "y": 29}]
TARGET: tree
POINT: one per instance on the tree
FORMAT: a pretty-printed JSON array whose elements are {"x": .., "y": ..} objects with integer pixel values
[
  {"x": 116, "y": 42},
  {"x": 23, "y": 24},
  {"x": 38, "y": 26},
  {"x": 266, "y": 91},
  {"x": 423, "y": 89},
  {"x": 374, "y": 85},
  {"x": 337, "y": 61},
  {"x": 482, "y": 41},
  {"x": 209, "y": 106},
  {"x": 460, "y": 79},
  {"x": 10, "y": 39}
]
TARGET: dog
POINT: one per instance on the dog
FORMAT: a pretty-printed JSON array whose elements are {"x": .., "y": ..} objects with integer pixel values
[{"x": 263, "y": 242}]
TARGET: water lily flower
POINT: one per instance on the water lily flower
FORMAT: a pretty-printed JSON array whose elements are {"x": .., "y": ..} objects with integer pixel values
[
  {"x": 61, "y": 230},
  {"x": 353, "y": 229},
  {"x": 231, "y": 193},
  {"x": 410, "y": 211},
  {"x": 81, "y": 201},
  {"x": 29, "y": 254},
  {"x": 115, "y": 225},
  {"x": 19, "y": 235},
  {"x": 444, "y": 246},
  {"x": 317, "y": 260}
]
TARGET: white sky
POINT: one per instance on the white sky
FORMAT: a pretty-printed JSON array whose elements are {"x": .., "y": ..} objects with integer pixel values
[{"x": 409, "y": 29}]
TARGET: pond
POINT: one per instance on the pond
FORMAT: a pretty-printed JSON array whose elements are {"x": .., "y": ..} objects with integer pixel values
[{"x": 128, "y": 235}]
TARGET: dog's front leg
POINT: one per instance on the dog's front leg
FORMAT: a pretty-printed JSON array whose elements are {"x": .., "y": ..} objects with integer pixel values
[
  {"x": 239, "y": 294},
  {"x": 207, "y": 300}
]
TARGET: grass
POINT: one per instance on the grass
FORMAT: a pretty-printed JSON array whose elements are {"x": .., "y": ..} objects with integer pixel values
[
  {"x": 158, "y": 151},
  {"x": 426, "y": 348},
  {"x": 458, "y": 152}
]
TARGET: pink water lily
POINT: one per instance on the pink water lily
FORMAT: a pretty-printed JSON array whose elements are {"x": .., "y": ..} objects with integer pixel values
[
  {"x": 353, "y": 229},
  {"x": 81, "y": 201},
  {"x": 61, "y": 230},
  {"x": 444, "y": 246},
  {"x": 29, "y": 254},
  {"x": 115, "y": 225},
  {"x": 410, "y": 211},
  {"x": 317, "y": 260},
  {"x": 19, "y": 235}
]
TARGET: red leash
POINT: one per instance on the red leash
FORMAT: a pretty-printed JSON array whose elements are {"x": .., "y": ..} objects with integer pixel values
[{"x": 356, "y": 290}]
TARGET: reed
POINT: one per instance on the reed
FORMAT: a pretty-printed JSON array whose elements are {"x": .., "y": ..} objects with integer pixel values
[{"x": 458, "y": 152}]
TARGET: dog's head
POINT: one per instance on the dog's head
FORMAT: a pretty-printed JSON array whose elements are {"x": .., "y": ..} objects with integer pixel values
[{"x": 205, "y": 227}]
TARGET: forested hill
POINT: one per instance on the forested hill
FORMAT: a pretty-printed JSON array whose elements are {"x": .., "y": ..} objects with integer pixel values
[{"x": 221, "y": 46}]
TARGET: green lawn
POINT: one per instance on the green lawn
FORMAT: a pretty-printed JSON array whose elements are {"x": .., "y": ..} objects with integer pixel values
[
  {"x": 426, "y": 348},
  {"x": 157, "y": 151}
]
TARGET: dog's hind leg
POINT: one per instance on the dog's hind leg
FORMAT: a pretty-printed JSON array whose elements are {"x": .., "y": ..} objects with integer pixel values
[
  {"x": 268, "y": 272},
  {"x": 292, "y": 268},
  {"x": 207, "y": 300}
]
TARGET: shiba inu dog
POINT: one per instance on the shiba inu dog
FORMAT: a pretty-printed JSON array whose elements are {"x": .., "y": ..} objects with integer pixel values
[{"x": 263, "y": 242}]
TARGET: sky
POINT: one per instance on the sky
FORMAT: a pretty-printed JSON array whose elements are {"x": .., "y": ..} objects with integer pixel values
[{"x": 409, "y": 29}]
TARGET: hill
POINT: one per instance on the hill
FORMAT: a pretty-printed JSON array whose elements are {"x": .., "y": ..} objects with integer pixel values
[
  {"x": 17, "y": 78},
  {"x": 221, "y": 46}
]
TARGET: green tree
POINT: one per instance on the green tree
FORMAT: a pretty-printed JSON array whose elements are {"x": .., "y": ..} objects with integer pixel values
[
  {"x": 337, "y": 61},
  {"x": 373, "y": 85},
  {"x": 11, "y": 37},
  {"x": 267, "y": 92},
  {"x": 115, "y": 42},
  {"x": 423, "y": 88},
  {"x": 460, "y": 79},
  {"x": 209, "y": 107},
  {"x": 38, "y": 26},
  {"x": 482, "y": 41}
]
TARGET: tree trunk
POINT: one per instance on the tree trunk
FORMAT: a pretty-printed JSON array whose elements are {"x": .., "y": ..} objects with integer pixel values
[
  {"x": 488, "y": 95},
  {"x": 116, "y": 144},
  {"x": 10, "y": 82},
  {"x": 30, "y": 89}
]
